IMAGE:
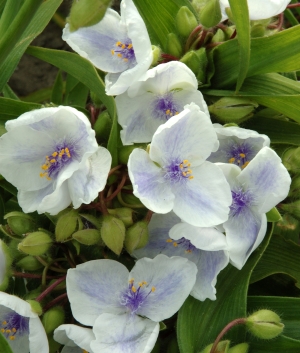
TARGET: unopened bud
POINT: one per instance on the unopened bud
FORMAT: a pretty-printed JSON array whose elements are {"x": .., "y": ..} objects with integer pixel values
[
  {"x": 156, "y": 52},
  {"x": 210, "y": 14},
  {"x": 239, "y": 348},
  {"x": 86, "y": 13},
  {"x": 173, "y": 45},
  {"x": 125, "y": 151},
  {"x": 293, "y": 208},
  {"x": 219, "y": 36},
  {"x": 5, "y": 264},
  {"x": 20, "y": 223},
  {"x": 258, "y": 31},
  {"x": 233, "y": 109},
  {"x": 264, "y": 324},
  {"x": 222, "y": 347},
  {"x": 53, "y": 318},
  {"x": 113, "y": 233},
  {"x": 291, "y": 159},
  {"x": 35, "y": 306},
  {"x": 124, "y": 214},
  {"x": 36, "y": 243},
  {"x": 273, "y": 215},
  {"x": 185, "y": 21},
  {"x": 103, "y": 126},
  {"x": 87, "y": 236},
  {"x": 196, "y": 60},
  {"x": 29, "y": 263},
  {"x": 66, "y": 226},
  {"x": 90, "y": 221},
  {"x": 136, "y": 236}
]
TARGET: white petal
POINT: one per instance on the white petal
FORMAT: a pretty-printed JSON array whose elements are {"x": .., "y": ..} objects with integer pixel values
[
  {"x": 124, "y": 334},
  {"x": 94, "y": 288},
  {"x": 38, "y": 341},
  {"x": 16, "y": 304},
  {"x": 184, "y": 97},
  {"x": 172, "y": 278},
  {"x": 73, "y": 335},
  {"x": 85, "y": 184}
]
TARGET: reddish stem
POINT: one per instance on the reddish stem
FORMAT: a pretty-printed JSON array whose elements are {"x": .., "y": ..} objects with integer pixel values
[
  {"x": 280, "y": 21},
  {"x": 118, "y": 189},
  {"x": 50, "y": 289},
  {"x": 102, "y": 203},
  {"x": 168, "y": 57},
  {"x": 191, "y": 37},
  {"x": 148, "y": 216},
  {"x": 200, "y": 40},
  {"x": 291, "y": 6},
  {"x": 31, "y": 275},
  {"x": 233, "y": 34},
  {"x": 114, "y": 169},
  {"x": 54, "y": 302}
]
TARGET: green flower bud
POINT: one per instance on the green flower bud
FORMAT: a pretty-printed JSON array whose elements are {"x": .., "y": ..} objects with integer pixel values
[
  {"x": 29, "y": 263},
  {"x": 233, "y": 109},
  {"x": 136, "y": 236},
  {"x": 156, "y": 52},
  {"x": 219, "y": 36},
  {"x": 125, "y": 151},
  {"x": 124, "y": 214},
  {"x": 210, "y": 14},
  {"x": 33, "y": 293},
  {"x": 239, "y": 348},
  {"x": 20, "y": 223},
  {"x": 86, "y": 13},
  {"x": 36, "y": 243},
  {"x": 222, "y": 347},
  {"x": 293, "y": 208},
  {"x": 130, "y": 199},
  {"x": 113, "y": 233},
  {"x": 264, "y": 324},
  {"x": 102, "y": 126},
  {"x": 273, "y": 215},
  {"x": 173, "y": 45},
  {"x": 66, "y": 226},
  {"x": 5, "y": 261},
  {"x": 291, "y": 159},
  {"x": 185, "y": 21},
  {"x": 35, "y": 306},
  {"x": 53, "y": 318},
  {"x": 196, "y": 60},
  {"x": 87, "y": 236},
  {"x": 258, "y": 31},
  {"x": 295, "y": 187},
  {"x": 95, "y": 221}
]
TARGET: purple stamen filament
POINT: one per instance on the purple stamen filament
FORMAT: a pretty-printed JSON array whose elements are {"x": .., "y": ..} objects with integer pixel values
[
  {"x": 178, "y": 171},
  {"x": 55, "y": 162},
  {"x": 240, "y": 154},
  {"x": 241, "y": 199},
  {"x": 123, "y": 51},
  {"x": 184, "y": 243},
  {"x": 14, "y": 323}
]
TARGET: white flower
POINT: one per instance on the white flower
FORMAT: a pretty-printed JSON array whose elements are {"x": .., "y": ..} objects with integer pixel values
[
  {"x": 175, "y": 174},
  {"x": 203, "y": 246},
  {"x": 237, "y": 146},
  {"x": 125, "y": 307},
  {"x": 255, "y": 191},
  {"x": 158, "y": 95},
  {"x": 119, "y": 45},
  {"x": 258, "y": 9},
  {"x": 21, "y": 327},
  {"x": 52, "y": 157},
  {"x": 75, "y": 339}
]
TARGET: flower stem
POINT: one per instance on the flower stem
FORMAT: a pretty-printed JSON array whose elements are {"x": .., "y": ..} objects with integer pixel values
[
  {"x": 52, "y": 268},
  {"x": 291, "y": 6},
  {"x": 50, "y": 289},
  {"x": 119, "y": 188},
  {"x": 224, "y": 331},
  {"x": 30, "y": 275},
  {"x": 191, "y": 37},
  {"x": 55, "y": 301}
]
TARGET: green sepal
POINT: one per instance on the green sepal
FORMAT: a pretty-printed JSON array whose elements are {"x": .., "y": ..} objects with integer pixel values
[
  {"x": 273, "y": 215},
  {"x": 66, "y": 226}
]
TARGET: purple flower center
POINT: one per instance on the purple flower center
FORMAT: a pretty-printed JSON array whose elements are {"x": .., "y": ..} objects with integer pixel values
[
  {"x": 178, "y": 171},
  {"x": 240, "y": 200},
  {"x": 183, "y": 243},
  {"x": 164, "y": 107},
  {"x": 14, "y": 325},
  {"x": 239, "y": 154},
  {"x": 124, "y": 51},
  {"x": 54, "y": 163},
  {"x": 134, "y": 296}
]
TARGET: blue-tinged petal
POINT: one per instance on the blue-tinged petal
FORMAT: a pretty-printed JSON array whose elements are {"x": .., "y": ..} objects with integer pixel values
[
  {"x": 267, "y": 178},
  {"x": 94, "y": 288},
  {"x": 124, "y": 334},
  {"x": 38, "y": 341},
  {"x": 85, "y": 184},
  {"x": 148, "y": 182},
  {"x": 74, "y": 336},
  {"x": 204, "y": 200},
  {"x": 184, "y": 97},
  {"x": 69, "y": 349},
  {"x": 209, "y": 265},
  {"x": 186, "y": 136},
  {"x": 231, "y": 172},
  {"x": 163, "y": 284},
  {"x": 245, "y": 230}
]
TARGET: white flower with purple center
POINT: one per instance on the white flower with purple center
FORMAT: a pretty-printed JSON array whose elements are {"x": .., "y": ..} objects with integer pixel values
[
  {"x": 158, "y": 95},
  {"x": 259, "y": 10},
  {"x": 51, "y": 155},
  {"x": 206, "y": 247},
  {"x": 237, "y": 145},
  {"x": 255, "y": 191},
  {"x": 21, "y": 327},
  {"x": 119, "y": 45},
  {"x": 175, "y": 174},
  {"x": 124, "y": 307}
]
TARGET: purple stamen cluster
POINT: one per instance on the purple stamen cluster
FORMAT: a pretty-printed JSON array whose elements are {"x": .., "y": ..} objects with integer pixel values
[
  {"x": 240, "y": 200},
  {"x": 164, "y": 107},
  {"x": 239, "y": 154},
  {"x": 125, "y": 51},
  {"x": 13, "y": 324},
  {"x": 177, "y": 171}
]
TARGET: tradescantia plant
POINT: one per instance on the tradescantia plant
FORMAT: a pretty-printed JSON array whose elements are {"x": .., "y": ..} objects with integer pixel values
[{"x": 158, "y": 209}]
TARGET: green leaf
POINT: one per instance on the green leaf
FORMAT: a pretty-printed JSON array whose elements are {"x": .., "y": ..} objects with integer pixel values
[
  {"x": 11, "y": 108},
  {"x": 78, "y": 95},
  {"x": 38, "y": 23},
  {"x": 159, "y": 17},
  {"x": 9, "y": 93},
  {"x": 281, "y": 256},
  {"x": 58, "y": 89},
  {"x": 86, "y": 73},
  {"x": 280, "y": 344},
  {"x": 287, "y": 308},
  {"x": 199, "y": 323},
  {"x": 240, "y": 13},
  {"x": 273, "y": 215},
  {"x": 8, "y": 187},
  {"x": 4, "y": 346},
  {"x": 268, "y": 54}
]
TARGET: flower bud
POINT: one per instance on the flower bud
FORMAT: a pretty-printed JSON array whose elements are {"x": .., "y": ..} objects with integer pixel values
[
  {"x": 258, "y": 31},
  {"x": 210, "y": 14},
  {"x": 35, "y": 306},
  {"x": 53, "y": 318},
  {"x": 124, "y": 214},
  {"x": 233, "y": 109},
  {"x": 86, "y": 13},
  {"x": 113, "y": 233},
  {"x": 29, "y": 263},
  {"x": 264, "y": 324},
  {"x": 291, "y": 159},
  {"x": 222, "y": 347},
  {"x": 273, "y": 215},
  {"x": 295, "y": 187},
  {"x": 218, "y": 37},
  {"x": 156, "y": 52},
  {"x": 239, "y": 348},
  {"x": 87, "y": 236},
  {"x": 125, "y": 151},
  {"x": 136, "y": 236},
  {"x": 20, "y": 223},
  {"x": 173, "y": 45},
  {"x": 90, "y": 221},
  {"x": 66, "y": 226},
  {"x": 102, "y": 126},
  {"x": 293, "y": 208},
  {"x": 130, "y": 199},
  {"x": 185, "y": 21},
  {"x": 5, "y": 264},
  {"x": 36, "y": 243},
  {"x": 196, "y": 60}
]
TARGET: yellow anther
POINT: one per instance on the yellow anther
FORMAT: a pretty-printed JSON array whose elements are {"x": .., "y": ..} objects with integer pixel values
[
  {"x": 141, "y": 284},
  {"x": 42, "y": 175},
  {"x": 123, "y": 46},
  {"x": 168, "y": 112},
  {"x": 180, "y": 165},
  {"x": 12, "y": 338},
  {"x": 54, "y": 154},
  {"x": 189, "y": 171},
  {"x": 45, "y": 167},
  {"x": 176, "y": 113},
  {"x": 188, "y": 251},
  {"x": 48, "y": 178},
  {"x": 144, "y": 282},
  {"x": 175, "y": 244},
  {"x": 118, "y": 43},
  {"x": 67, "y": 152},
  {"x": 238, "y": 161},
  {"x": 125, "y": 59},
  {"x": 133, "y": 289},
  {"x": 184, "y": 173},
  {"x": 47, "y": 157},
  {"x": 169, "y": 240},
  {"x": 52, "y": 160},
  {"x": 84, "y": 351},
  {"x": 112, "y": 52},
  {"x": 8, "y": 331},
  {"x": 185, "y": 161},
  {"x": 242, "y": 155},
  {"x": 191, "y": 177},
  {"x": 14, "y": 329},
  {"x": 153, "y": 289},
  {"x": 231, "y": 160},
  {"x": 120, "y": 55},
  {"x": 2, "y": 330},
  {"x": 129, "y": 46},
  {"x": 245, "y": 165},
  {"x": 4, "y": 323},
  {"x": 131, "y": 280},
  {"x": 189, "y": 164}
]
